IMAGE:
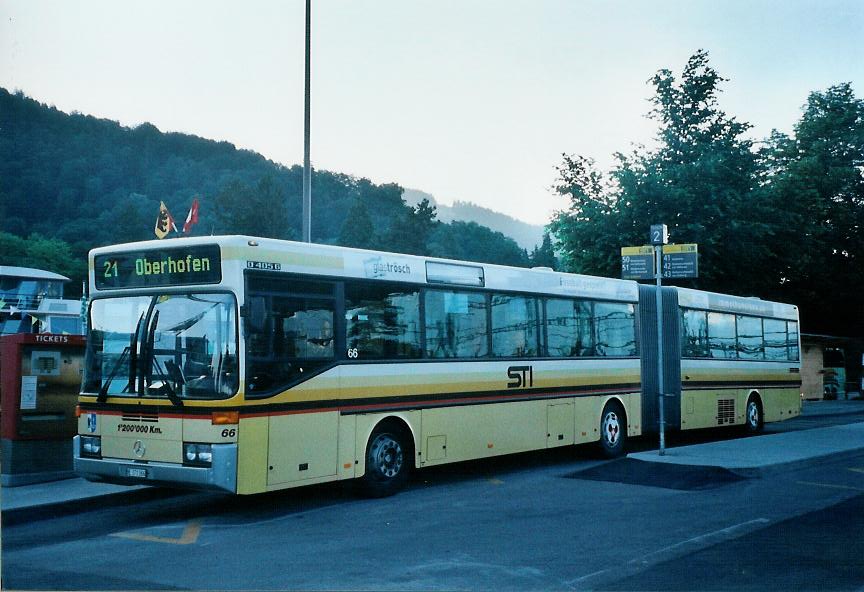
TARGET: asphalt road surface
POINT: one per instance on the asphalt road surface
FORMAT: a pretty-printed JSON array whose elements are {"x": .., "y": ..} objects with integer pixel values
[{"x": 563, "y": 520}]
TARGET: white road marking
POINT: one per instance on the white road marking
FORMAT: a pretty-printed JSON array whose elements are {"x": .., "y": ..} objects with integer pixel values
[
  {"x": 722, "y": 534},
  {"x": 831, "y": 485},
  {"x": 635, "y": 566}
]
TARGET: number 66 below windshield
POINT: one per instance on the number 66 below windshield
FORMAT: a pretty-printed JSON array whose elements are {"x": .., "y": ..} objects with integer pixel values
[{"x": 174, "y": 346}]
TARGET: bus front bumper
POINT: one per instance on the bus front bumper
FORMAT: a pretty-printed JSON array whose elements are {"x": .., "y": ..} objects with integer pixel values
[{"x": 220, "y": 476}]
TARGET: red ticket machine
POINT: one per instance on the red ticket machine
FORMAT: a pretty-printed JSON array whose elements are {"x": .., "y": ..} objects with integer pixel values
[{"x": 40, "y": 376}]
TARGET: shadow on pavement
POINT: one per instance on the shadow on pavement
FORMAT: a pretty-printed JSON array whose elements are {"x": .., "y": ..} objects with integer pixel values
[{"x": 667, "y": 476}]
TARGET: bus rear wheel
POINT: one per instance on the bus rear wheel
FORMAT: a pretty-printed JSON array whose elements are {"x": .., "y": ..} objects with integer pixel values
[
  {"x": 613, "y": 430},
  {"x": 388, "y": 461},
  {"x": 753, "y": 419}
]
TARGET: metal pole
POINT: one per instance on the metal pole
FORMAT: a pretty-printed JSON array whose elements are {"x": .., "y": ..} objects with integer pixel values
[
  {"x": 307, "y": 169},
  {"x": 658, "y": 274},
  {"x": 84, "y": 307}
]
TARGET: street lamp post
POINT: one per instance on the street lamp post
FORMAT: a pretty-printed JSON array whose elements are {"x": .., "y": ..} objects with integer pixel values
[{"x": 307, "y": 169}]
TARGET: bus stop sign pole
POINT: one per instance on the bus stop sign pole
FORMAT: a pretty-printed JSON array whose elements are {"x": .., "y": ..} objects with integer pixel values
[
  {"x": 658, "y": 261},
  {"x": 659, "y": 237}
]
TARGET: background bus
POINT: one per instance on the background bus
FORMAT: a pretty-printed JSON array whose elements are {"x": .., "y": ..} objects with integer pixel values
[
  {"x": 28, "y": 295},
  {"x": 249, "y": 365}
]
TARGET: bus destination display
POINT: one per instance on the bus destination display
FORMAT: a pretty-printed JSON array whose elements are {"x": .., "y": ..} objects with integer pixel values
[{"x": 159, "y": 267}]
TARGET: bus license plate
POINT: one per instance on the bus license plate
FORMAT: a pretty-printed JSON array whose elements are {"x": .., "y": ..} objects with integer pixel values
[{"x": 139, "y": 473}]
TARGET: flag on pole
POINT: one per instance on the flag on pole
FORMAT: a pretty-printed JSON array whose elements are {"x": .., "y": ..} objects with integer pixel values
[
  {"x": 165, "y": 222},
  {"x": 191, "y": 217}
]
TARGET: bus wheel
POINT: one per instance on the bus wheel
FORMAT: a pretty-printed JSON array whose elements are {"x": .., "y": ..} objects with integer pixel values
[
  {"x": 754, "y": 421},
  {"x": 388, "y": 459},
  {"x": 613, "y": 430}
]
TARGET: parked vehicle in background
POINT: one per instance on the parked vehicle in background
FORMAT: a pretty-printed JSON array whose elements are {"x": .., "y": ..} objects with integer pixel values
[{"x": 31, "y": 301}]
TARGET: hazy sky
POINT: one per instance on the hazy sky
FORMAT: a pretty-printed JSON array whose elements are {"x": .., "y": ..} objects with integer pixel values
[{"x": 467, "y": 100}]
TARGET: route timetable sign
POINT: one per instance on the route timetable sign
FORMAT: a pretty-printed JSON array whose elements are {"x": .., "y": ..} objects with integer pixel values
[
  {"x": 637, "y": 263},
  {"x": 680, "y": 261}
]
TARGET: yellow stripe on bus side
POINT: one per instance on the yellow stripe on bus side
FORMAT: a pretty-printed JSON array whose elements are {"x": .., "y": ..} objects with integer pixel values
[
  {"x": 360, "y": 382},
  {"x": 293, "y": 259}
]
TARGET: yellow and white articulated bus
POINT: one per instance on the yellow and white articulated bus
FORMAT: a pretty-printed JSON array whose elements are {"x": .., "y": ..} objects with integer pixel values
[{"x": 248, "y": 365}]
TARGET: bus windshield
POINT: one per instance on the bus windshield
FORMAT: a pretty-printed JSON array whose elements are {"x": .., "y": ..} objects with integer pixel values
[{"x": 175, "y": 346}]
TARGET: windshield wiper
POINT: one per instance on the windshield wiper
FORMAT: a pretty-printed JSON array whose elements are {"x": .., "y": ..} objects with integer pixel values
[
  {"x": 166, "y": 388},
  {"x": 133, "y": 356},
  {"x": 184, "y": 325},
  {"x": 130, "y": 351},
  {"x": 103, "y": 390}
]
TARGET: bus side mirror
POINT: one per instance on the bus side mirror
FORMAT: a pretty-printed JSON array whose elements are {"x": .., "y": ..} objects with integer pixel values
[{"x": 257, "y": 316}]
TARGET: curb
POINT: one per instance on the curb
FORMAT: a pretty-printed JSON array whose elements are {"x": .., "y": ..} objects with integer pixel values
[
  {"x": 23, "y": 479},
  {"x": 759, "y": 472},
  {"x": 801, "y": 463},
  {"x": 81, "y": 505}
]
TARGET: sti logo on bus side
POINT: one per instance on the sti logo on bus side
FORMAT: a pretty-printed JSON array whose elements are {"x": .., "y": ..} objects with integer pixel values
[{"x": 521, "y": 376}]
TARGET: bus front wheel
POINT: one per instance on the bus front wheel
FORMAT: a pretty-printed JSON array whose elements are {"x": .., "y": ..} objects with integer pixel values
[
  {"x": 613, "y": 430},
  {"x": 388, "y": 461}
]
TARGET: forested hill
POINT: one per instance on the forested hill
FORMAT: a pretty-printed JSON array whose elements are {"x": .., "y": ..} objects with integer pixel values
[
  {"x": 71, "y": 182},
  {"x": 526, "y": 235}
]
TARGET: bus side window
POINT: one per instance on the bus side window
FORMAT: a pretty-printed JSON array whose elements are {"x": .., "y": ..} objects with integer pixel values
[
  {"x": 456, "y": 324},
  {"x": 694, "y": 333},
  {"x": 514, "y": 326},
  {"x": 258, "y": 335},
  {"x": 792, "y": 341},
  {"x": 750, "y": 345},
  {"x": 257, "y": 313},
  {"x": 615, "y": 325},
  {"x": 569, "y": 328},
  {"x": 775, "y": 339},
  {"x": 721, "y": 335},
  {"x": 290, "y": 339},
  {"x": 382, "y": 321}
]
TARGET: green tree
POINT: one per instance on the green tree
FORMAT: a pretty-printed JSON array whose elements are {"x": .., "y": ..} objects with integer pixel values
[
  {"x": 586, "y": 230},
  {"x": 411, "y": 229},
  {"x": 54, "y": 255},
  {"x": 544, "y": 255},
  {"x": 13, "y": 249},
  {"x": 258, "y": 211},
  {"x": 49, "y": 254},
  {"x": 701, "y": 180},
  {"x": 357, "y": 230},
  {"x": 470, "y": 241},
  {"x": 816, "y": 178},
  {"x": 134, "y": 220}
]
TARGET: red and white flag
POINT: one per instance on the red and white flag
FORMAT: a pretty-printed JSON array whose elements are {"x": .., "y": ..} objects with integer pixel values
[{"x": 191, "y": 217}]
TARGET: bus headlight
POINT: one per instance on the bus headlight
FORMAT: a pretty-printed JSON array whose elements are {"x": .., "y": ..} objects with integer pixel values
[
  {"x": 199, "y": 455},
  {"x": 91, "y": 446}
]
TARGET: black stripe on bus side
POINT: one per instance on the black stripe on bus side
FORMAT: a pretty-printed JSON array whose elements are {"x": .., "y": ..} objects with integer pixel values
[
  {"x": 355, "y": 405},
  {"x": 467, "y": 399}
]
